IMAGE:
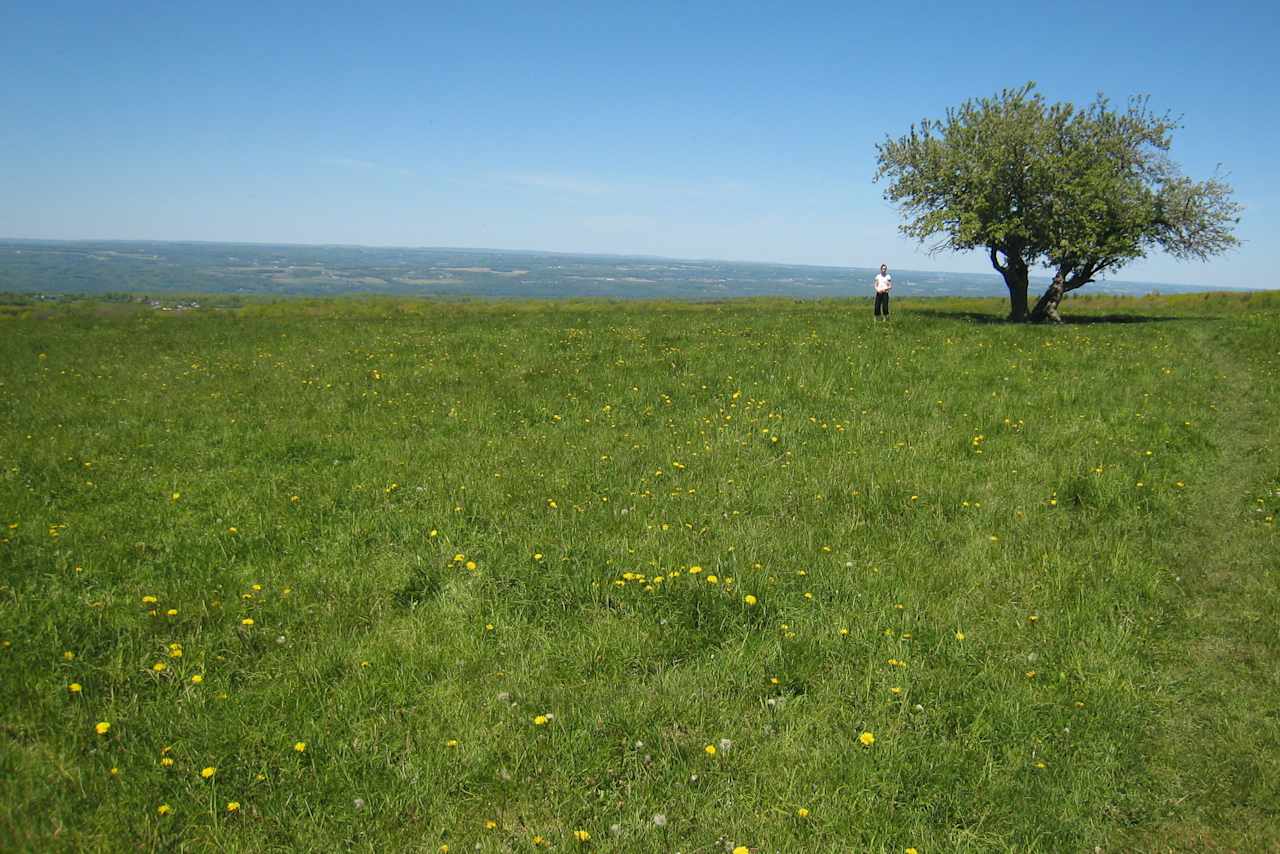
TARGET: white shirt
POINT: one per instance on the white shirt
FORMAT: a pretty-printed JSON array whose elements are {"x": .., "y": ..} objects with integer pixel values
[{"x": 883, "y": 283}]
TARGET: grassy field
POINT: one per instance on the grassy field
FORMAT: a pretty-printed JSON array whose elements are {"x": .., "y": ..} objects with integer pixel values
[{"x": 383, "y": 575}]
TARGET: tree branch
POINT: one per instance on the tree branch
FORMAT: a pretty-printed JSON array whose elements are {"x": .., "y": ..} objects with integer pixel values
[{"x": 995, "y": 261}]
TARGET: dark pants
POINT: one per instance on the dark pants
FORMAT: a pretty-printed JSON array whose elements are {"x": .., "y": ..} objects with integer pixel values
[{"x": 882, "y": 303}]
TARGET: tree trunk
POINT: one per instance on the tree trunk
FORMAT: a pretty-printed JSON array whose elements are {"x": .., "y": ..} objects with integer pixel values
[
  {"x": 1070, "y": 276},
  {"x": 1017, "y": 299},
  {"x": 1014, "y": 270},
  {"x": 1015, "y": 279},
  {"x": 1047, "y": 307}
]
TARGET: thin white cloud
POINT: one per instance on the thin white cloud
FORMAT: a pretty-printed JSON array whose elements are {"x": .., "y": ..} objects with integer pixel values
[
  {"x": 586, "y": 185},
  {"x": 563, "y": 183},
  {"x": 364, "y": 165}
]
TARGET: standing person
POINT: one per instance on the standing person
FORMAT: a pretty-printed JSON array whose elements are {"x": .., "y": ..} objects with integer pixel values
[{"x": 884, "y": 284}]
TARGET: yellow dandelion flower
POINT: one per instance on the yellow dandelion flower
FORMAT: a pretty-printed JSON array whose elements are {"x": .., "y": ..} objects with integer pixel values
[
  {"x": 803, "y": 812},
  {"x": 102, "y": 727},
  {"x": 959, "y": 635},
  {"x": 710, "y": 750},
  {"x": 172, "y": 612},
  {"x": 68, "y": 656},
  {"x": 867, "y": 739},
  {"x": 471, "y": 564},
  {"x": 233, "y": 806},
  {"x": 741, "y": 849},
  {"x": 159, "y": 667},
  {"x": 166, "y": 761},
  {"x": 247, "y": 621},
  {"x": 149, "y": 599},
  {"x": 490, "y": 824},
  {"x": 540, "y": 720},
  {"x": 164, "y": 809},
  {"x": 208, "y": 772},
  {"x": 750, "y": 600},
  {"x": 300, "y": 746},
  {"x": 711, "y": 579},
  {"x": 197, "y": 679},
  {"x": 844, "y": 632},
  {"x": 74, "y": 688},
  {"x": 453, "y": 742},
  {"x": 582, "y": 836},
  {"x": 895, "y": 690}
]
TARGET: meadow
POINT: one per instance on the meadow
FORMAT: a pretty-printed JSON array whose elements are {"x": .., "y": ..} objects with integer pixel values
[{"x": 749, "y": 576}]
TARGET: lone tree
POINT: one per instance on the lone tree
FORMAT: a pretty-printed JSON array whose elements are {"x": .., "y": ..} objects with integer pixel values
[{"x": 1080, "y": 191}]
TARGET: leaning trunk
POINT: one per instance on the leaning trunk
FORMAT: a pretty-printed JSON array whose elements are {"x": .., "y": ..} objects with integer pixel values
[
  {"x": 1047, "y": 307},
  {"x": 1069, "y": 277}
]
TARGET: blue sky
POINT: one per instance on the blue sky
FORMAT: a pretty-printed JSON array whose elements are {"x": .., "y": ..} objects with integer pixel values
[{"x": 736, "y": 131}]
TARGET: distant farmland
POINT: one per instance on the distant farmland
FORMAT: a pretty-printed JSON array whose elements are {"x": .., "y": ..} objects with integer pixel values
[{"x": 98, "y": 268}]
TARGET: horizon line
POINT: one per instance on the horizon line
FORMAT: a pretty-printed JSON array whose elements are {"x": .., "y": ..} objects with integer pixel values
[{"x": 560, "y": 253}]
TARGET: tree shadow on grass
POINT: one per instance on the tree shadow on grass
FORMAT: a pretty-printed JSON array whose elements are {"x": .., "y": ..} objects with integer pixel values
[{"x": 1067, "y": 320}]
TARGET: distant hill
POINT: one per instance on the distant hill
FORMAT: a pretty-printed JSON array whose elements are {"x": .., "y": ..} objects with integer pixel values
[{"x": 103, "y": 267}]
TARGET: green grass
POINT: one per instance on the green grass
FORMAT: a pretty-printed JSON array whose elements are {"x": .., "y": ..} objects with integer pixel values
[{"x": 1064, "y": 537}]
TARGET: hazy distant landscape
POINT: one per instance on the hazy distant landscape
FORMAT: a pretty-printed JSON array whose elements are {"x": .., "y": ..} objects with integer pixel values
[{"x": 163, "y": 268}]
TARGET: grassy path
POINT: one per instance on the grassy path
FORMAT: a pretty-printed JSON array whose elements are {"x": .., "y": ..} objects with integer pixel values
[{"x": 1216, "y": 756}]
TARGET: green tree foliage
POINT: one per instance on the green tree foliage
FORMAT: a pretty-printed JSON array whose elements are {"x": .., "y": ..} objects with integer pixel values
[{"x": 1080, "y": 191}]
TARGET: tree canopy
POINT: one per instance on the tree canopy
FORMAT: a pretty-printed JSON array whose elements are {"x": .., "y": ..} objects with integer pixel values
[{"x": 1080, "y": 191}]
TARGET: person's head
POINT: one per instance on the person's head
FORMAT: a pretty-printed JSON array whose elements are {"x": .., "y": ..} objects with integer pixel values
[{"x": 884, "y": 268}]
